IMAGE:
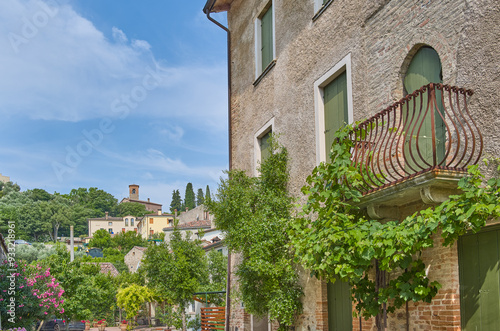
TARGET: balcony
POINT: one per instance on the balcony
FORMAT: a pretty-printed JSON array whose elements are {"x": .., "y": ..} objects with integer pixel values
[{"x": 418, "y": 148}]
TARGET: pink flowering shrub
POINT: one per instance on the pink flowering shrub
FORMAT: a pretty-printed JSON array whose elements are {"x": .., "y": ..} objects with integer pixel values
[{"x": 28, "y": 293}]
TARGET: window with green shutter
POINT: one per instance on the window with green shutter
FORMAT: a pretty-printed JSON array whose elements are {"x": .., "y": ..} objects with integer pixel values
[
  {"x": 265, "y": 148},
  {"x": 266, "y": 28},
  {"x": 336, "y": 111}
]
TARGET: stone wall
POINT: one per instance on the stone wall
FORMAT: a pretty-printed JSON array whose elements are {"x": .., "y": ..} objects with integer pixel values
[{"x": 381, "y": 37}]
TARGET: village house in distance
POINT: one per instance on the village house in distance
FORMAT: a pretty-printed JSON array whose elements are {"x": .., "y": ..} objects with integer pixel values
[{"x": 303, "y": 69}]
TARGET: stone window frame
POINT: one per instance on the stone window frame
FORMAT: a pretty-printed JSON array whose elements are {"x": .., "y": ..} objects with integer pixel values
[
  {"x": 268, "y": 323},
  {"x": 344, "y": 65},
  {"x": 269, "y": 126},
  {"x": 259, "y": 71},
  {"x": 320, "y": 7}
]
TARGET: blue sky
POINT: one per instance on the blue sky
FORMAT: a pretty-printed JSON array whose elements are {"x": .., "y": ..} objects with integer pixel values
[{"x": 107, "y": 93}]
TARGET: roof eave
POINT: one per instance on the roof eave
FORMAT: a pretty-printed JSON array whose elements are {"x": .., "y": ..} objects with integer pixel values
[{"x": 217, "y": 6}]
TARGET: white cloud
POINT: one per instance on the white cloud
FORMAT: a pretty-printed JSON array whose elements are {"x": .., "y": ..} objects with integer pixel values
[
  {"x": 65, "y": 69},
  {"x": 119, "y": 35}
]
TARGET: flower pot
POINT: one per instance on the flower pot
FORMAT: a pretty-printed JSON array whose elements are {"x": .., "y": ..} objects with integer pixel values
[
  {"x": 87, "y": 326},
  {"x": 123, "y": 327},
  {"x": 101, "y": 327}
]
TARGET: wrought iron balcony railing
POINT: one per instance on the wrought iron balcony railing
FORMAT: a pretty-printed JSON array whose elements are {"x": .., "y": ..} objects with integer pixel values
[{"x": 426, "y": 130}]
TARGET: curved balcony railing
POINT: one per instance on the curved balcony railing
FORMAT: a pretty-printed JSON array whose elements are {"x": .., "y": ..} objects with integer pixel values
[{"x": 426, "y": 130}]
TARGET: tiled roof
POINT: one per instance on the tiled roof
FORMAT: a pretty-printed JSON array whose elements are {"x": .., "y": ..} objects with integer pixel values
[{"x": 195, "y": 224}]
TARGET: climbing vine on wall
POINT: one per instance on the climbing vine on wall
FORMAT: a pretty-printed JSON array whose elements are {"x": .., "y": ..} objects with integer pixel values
[
  {"x": 335, "y": 240},
  {"x": 254, "y": 213}
]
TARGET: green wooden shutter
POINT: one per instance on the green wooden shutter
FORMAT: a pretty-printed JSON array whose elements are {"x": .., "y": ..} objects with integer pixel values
[
  {"x": 336, "y": 112},
  {"x": 265, "y": 148},
  {"x": 479, "y": 263},
  {"x": 339, "y": 306},
  {"x": 425, "y": 68},
  {"x": 267, "y": 37}
]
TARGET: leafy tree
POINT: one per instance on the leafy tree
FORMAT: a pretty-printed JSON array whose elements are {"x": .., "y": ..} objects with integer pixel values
[
  {"x": 176, "y": 202},
  {"x": 217, "y": 277},
  {"x": 37, "y": 194},
  {"x": 254, "y": 214},
  {"x": 54, "y": 214},
  {"x": 88, "y": 293},
  {"x": 131, "y": 208},
  {"x": 189, "y": 200},
  {"x": 207, "y": 193},
  {"x": 200, "y": 199},
  {"x": 94, "y": 198},
  {"x": 132, "y": 297},
  {"x": 175, "y": 270},
  {"x": 6, "y": 188},
  {"x": 125, "y": 241},
  {"x": 101, "y": 239}
]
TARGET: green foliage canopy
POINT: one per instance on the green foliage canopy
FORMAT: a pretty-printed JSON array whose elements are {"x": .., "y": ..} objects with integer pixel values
[
  {"x": 189, "y": 198},
  {"x": 176, "y": 202}
]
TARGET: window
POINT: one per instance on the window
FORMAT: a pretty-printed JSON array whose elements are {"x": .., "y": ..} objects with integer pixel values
[
  {"x": 135, "y": 229},
  {"x": 110, "y": 231},
  {"x": 151, "y": 232},
  {"x": 320, "y": 6},
  {"x": 261, "y": 144},
  {"x": 333, "y": 105},
  {"x": 259, "y": 323},
  {"x": 150, "y": 221},
  {"x": 131, "y": 222},
  {"x": 126, "y": 222},
  {"x": 264, "y": 40},
  {"x": 110, "y": 223},
  {"x": 133, "y": 191},
  {"x": 123, "y": 229}
]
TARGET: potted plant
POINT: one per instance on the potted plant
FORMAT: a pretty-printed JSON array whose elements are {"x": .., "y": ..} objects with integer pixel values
[
  {"x": 124, "y": 325},
  {"x": 94, "y": 323},
  {"x": 101, "y": 325},
  {"x": 87, "y": 324}
]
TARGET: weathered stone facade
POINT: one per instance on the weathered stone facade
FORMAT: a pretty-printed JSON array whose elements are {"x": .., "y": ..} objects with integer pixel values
[{"x": 379, "y": 39}]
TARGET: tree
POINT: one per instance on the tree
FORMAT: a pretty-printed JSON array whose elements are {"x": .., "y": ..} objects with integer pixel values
[
  {"x": 101, "y": 239},
  {"x": 254, "y": 213},
  {"x": 54, "y": 214},
  {"x": 132, "y": 297},
  {"x": 131, "y": 208},
  {"x": 125, "y": 241},
  {"x": 217, "y": 277},
  {"x": 6, "y": 188},
  {"x": 189, "y": 200},
  {"x": 175, "y": 270},
  {"x": 200, "y": 199},
  {"x": 176, "y": 202},
  {"x": 94, "y": 198},
  {"x": 207, "y": 193}
]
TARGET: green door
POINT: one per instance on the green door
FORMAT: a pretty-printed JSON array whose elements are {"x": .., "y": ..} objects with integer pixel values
[
  {"x": 266, "y": 29},
  {"x": 336, "y": 112},
  {"x": 339, "y": 306},
  {"x": 479, "y": 263},
  {"x": 424, "y": 68}
]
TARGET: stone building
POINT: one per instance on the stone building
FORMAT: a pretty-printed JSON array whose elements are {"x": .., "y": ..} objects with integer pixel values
[
  {"x": 134, "y": 197},
  {"x": 304, "y": 68},
  {"x": 134, "y": 257},
  {"x": 154, "y": 223}
]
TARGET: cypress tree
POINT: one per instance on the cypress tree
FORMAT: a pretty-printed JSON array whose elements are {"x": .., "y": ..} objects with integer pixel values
[
  {"x": 207, "y": 194},
  {"x": 189, "y": 198},
  {"x": 176, "y": 202},
  {"x": 200, "y": 199}
]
